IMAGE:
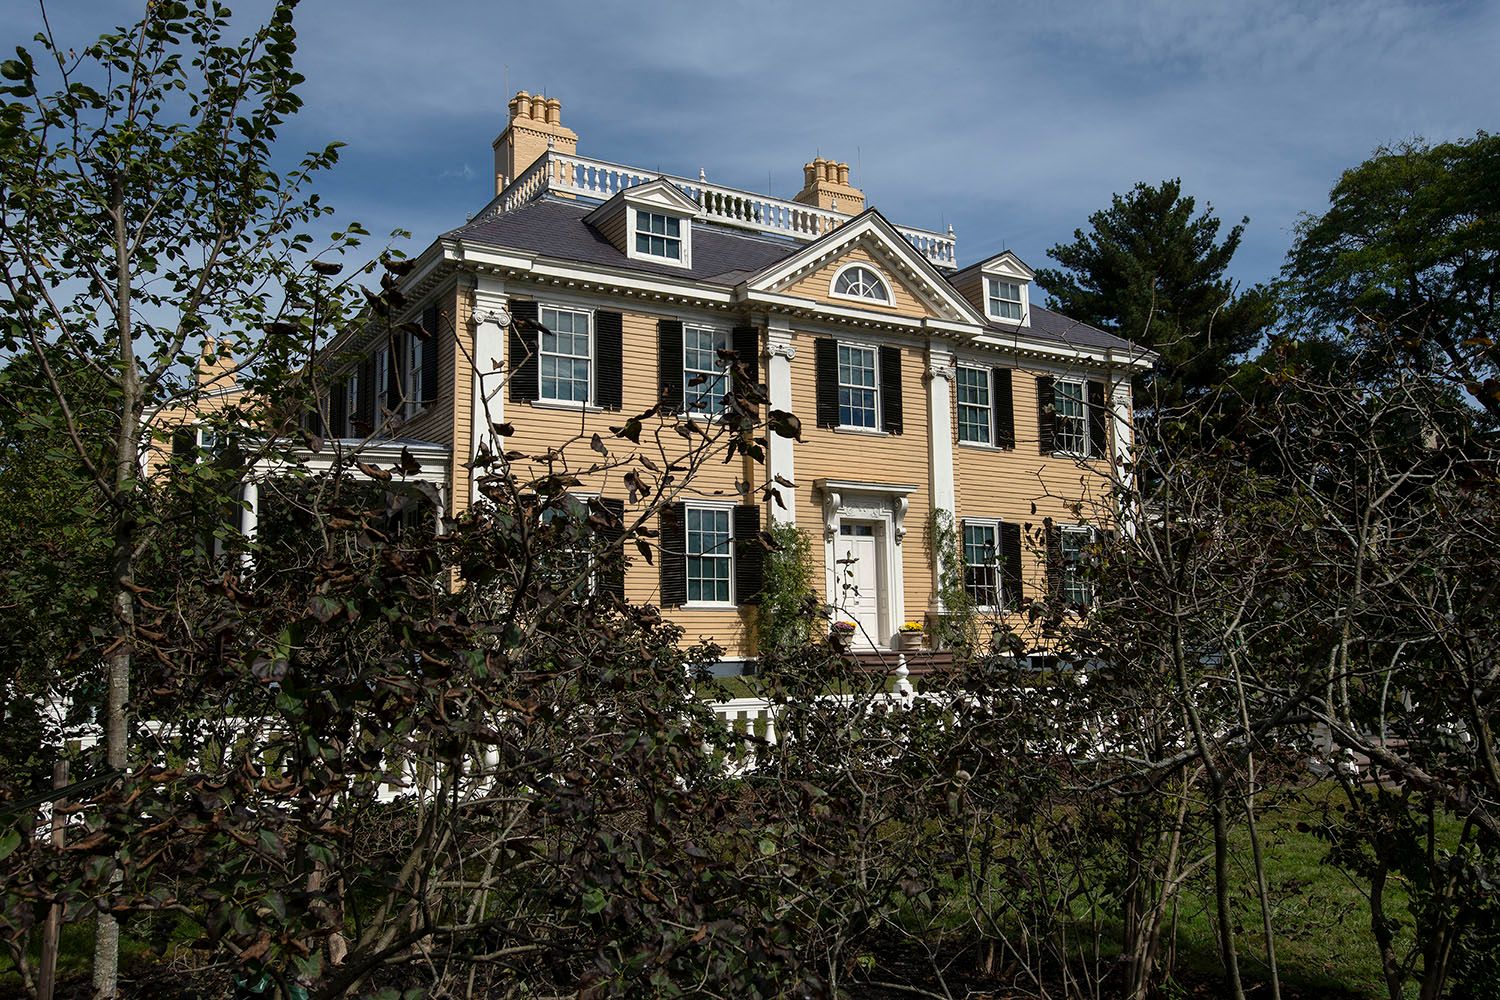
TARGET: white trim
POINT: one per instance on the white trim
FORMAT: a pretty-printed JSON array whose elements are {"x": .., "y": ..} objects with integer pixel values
[
  {"x": 684, "y": 236},
  {"x": 491, "y": 310},
  {"x": 1023, "y": 289},
  {"x": 886, "y": 505},
  {"x": 781, "y": 457},
  {"x": 1087, "y": 435},
  {"x": 879, "y": 411},
  {"x": 728, "y": 509},
  {"x": 940, "y": 378},
  {"x": 993, "y": 523},
  {"x": 987, "y": 371}
]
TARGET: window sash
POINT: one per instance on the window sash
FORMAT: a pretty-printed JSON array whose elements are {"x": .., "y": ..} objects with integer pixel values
[
  {"x": 975, "y": 420},
  {"x": 858, "y": 402},
  {"x": 658, "y": 235},
  {"x": 413, "y": 374},
  {"x": 1071, "y": 428},
  {"x": 351, "y": 404},
  {"x": 1076, "y": 589},
  {"x": 861, "y": 282},
  {"x": 700, "y": 347},
  {"x": 564, "y": 356},
  {"x": 982, "y": 564},
  {"x": 1005, "y": 299},
  {"x": 710, "y": 558}
]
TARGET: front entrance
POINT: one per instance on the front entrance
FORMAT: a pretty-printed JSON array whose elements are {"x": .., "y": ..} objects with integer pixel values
[{"x": 860, "y": 598}]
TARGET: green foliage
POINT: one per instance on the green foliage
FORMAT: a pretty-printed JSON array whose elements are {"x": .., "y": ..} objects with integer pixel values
[
  {"x": 1152, "y": 271},
  {"x": 789, "y": 606},
  {"x": 1406, "y": 260},
  {"x": 958, "y": 626}
]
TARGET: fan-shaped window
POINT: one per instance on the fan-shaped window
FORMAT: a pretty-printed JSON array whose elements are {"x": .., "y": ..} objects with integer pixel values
[{"x": 859, "y": 282}]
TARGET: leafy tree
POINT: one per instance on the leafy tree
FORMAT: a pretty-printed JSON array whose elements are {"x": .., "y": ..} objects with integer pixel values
[
  {"x": 142, "y": 207},
  {"x": 1152, "y": 271},
  {"x": 1405, "y": 261}
]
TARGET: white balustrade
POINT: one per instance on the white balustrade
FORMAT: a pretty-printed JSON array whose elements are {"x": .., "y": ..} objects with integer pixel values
[{"x": 582, "y": 176}]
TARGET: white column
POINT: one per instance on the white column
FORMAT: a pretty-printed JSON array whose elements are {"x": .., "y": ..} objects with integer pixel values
[
  {"x": 940, "y": 376},
  {"x": 250, "y": 516},
  {"x": 781, "y": 461},
  {"x": 491, "y": 313},
  {"x": 1124, "y": 435}
]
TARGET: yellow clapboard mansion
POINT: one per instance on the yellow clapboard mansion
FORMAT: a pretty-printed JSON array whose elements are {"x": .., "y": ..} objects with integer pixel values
[{"x": 586, "y": 291}]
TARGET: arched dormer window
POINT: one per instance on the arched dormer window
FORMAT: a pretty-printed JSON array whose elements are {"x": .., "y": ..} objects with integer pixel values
[{"x": 860, "y": 281}]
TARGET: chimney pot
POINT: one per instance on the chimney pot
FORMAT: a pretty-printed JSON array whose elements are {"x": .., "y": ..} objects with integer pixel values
[
  {"x": 554, "y": 111},
  {"x": 830, "y": 170},
  {"x": 809, "y": 174},
  {"x": 538, "y": 108},
  {"x": 520, "y": 105},
  {"x": 844, "y": 174}
]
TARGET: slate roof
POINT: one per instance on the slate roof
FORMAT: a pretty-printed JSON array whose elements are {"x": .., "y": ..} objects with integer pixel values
[{"x": 554, "y": 227}]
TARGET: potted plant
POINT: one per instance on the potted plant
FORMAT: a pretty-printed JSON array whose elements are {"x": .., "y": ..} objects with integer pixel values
[
  {"x": 910, "y": 636},
  {"x": 839, "y": 633}
]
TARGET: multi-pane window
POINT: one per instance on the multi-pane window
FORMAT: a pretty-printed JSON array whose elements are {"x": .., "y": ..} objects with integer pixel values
[
  {"x": 982, "y": 564},
  {"x": 1071, "y": 430},
  {"x": 569, "y": 565},
  {"x": 1077, "y": 589},
  {"x": 857, "y": 401},
  {"x": 974, "y": 415},
  {"x": 705, "y": 377},
  {"x": 658, "y": 235},
  {"x": 1005, "y": 299},
  {"x": 351, "y": 405},
  {"x": 564, "y": 355},
  {"x": 382, "y": 382},
  {"x": 709, "y": 556},
  {"x": 860, "y": 282},
  {"x": 413, "y": 374}
]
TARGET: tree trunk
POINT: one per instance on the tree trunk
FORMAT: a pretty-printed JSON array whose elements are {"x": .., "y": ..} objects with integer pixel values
[{"x": 126, "y": 537}]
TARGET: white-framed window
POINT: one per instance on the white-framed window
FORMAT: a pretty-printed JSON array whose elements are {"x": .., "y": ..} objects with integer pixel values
[
  {"x": 565, "y": 355},
  {"x": 1077, "y": 589},
  {"x": 572, "y": 563},
  {"x": 351, "y": 405},
  {"x": 982, "y": 563},
  {"x": 710, "y": 555},
  {"x": 975, "y": 409},
  {"x": 860, "y": 281},
  {"x": 1071, "y": 427},
  {"x": 413, "y": 375},
  {"x": 382, "y": 382},
  {"x": 1005, "y": 300},
  {"x": 658, "y": 235},
  {"x": 705, "y": 377},
  {"x": 859, "y": 402}
]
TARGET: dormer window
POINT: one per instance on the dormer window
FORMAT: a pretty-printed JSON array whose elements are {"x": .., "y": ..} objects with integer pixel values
[
  {"x": 658, "y": 235},
  {"x": 856, "y": 281},
  {"x": 1006, "y": 300}
]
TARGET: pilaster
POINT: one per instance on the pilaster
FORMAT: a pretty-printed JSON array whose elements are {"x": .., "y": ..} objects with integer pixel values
[
  {"x": 781, "y": 462},
  {"x": 941, "y": 373},
  {"x": 490, "y": 319}
]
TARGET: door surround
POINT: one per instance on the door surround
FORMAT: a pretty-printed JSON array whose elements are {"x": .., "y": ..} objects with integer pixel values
[{"x": 885, "y": 504}]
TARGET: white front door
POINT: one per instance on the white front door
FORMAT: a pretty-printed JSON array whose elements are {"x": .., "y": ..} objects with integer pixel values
[{"x": 859, "y": 597}]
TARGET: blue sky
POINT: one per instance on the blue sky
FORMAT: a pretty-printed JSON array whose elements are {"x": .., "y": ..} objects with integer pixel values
[{"x": 1011, "y": 122}]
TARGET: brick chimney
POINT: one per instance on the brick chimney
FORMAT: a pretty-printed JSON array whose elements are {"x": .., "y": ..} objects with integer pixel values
[
  {"x": 215, "y": 367},
  {"x": 826, "y": 185},
  {"x": 535, "y": 126}
]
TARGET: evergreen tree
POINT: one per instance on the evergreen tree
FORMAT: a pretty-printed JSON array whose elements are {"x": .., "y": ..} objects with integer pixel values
[{"x": 1152, "y": 271}]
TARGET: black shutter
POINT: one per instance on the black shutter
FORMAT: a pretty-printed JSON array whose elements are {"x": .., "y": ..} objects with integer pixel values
[
  {"x": 749, "y": 555},
  {"x": 1004, "y": 408},
  {"x": 394, "y": 369},
  {"x": 428, "y": 390},
  {"x": 826, "y": 353},
  {"x": 314, "y": 421},
  {"x": 1010, "y": 565},
  {"x": 745, "y": 340},
  {"x": 609, "y": 359},
  {"x": 890, "y": 390},
  {"x": 184, "y": 445},
  {"x": 612, "y": 573},
  {"x": 1098, "y": 424},
  {"x": 338, "y": 409},
  {"x": 1046, "y": 413},
  {"x": 365, "y": 417},
  {"x": 1053, "y": 536},
  {"x": 669, "y": 364},
  {"x": 525, "y": 370},
  {"x": 672, "y": 556}
]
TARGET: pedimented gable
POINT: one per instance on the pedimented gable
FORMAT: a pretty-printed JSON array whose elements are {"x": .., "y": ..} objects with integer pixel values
[{"x": 914, "y": 286}]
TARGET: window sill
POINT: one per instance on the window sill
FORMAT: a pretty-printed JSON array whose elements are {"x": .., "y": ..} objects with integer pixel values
[
  {"x": 566, "y": 404},
  {"x": 984, "y": 447},
  {"x": 707, "y": 606},
  {"x": 866, "y": 431}
]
